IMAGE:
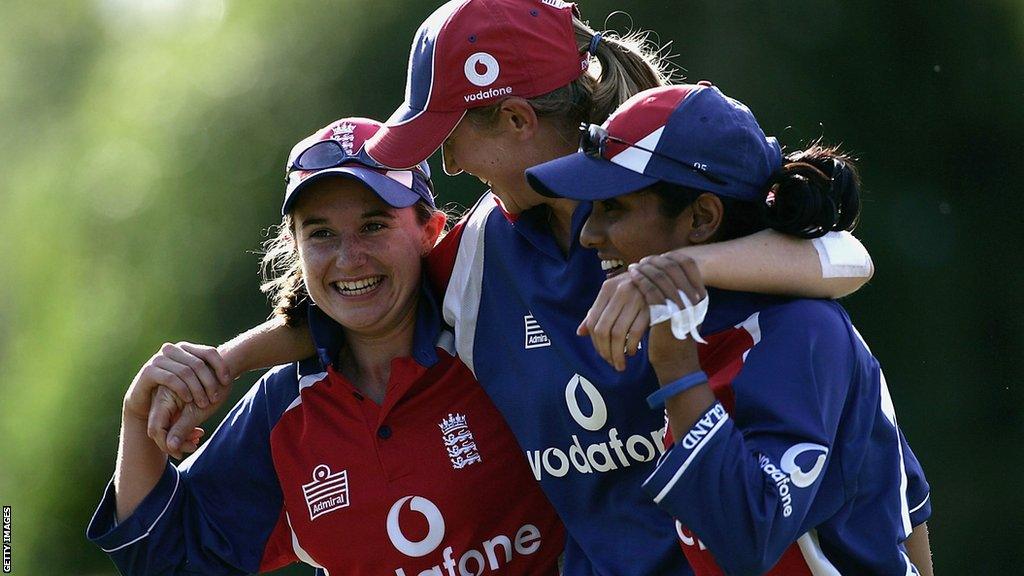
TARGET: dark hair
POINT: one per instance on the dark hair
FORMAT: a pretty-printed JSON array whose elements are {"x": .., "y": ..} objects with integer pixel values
[
  {"x": 628, "y": 64},
  {"x": 817, "y": 191},
  {"x": 281, "y": 269}
]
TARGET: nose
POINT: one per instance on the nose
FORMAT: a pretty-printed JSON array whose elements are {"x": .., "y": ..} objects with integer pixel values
[
  {"x": 448, "y": 161},
  {"x": 351, "y": 255},
  {"x": 592, "y": 234}
]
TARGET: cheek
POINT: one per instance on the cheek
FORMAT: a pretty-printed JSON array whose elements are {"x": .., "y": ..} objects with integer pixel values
[
  {"x": 636, "y": 238},
  {"x": 313, "y": 261}
]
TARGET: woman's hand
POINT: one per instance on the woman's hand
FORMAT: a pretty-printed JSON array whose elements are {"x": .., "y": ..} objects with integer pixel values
[
  {"x": 195, "y": 373},
  {"x": 660, "y": 279},
  {"x": 616, "y": 321},
  {"x": 189, "y": 375},
  {"x": 174, "y": 425},
  {"x": 620, "y": 315}
]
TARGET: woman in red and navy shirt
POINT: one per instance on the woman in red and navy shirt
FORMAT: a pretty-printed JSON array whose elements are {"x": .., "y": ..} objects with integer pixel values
[{"x": 380, "y": 455}]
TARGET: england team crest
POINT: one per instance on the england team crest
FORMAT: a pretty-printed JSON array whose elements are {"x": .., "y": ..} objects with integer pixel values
[{"x": 458, "y": 441}]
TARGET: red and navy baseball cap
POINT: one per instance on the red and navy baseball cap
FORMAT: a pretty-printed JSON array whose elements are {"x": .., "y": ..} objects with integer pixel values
[
  {"x": 336, "y": 150},
  {"x": 472, "y": 53},
  {"x": 691, "y": 135}
]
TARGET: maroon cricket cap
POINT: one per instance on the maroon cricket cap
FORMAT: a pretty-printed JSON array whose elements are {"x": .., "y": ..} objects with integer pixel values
[
  {"x": 472, "y": 53},
  {"x": 336, "y": 150}
]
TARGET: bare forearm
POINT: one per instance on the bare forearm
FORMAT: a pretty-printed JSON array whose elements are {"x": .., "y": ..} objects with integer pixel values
[
  {"x": 268, "y": 344},
  {"x": 140, "y": 463},
  {"x": 919, "y": 549},
  {"x": 769, "y": 262}
]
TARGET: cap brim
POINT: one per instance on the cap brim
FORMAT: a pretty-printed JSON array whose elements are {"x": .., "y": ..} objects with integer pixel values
[
  {"x": 582, "y": 177},
  {"x": 390, "y": 191},
  {"x": 411, "y": 136}
]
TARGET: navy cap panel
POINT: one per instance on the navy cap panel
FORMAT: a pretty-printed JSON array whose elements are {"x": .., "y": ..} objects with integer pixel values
[{"x": 582, "y": 177}]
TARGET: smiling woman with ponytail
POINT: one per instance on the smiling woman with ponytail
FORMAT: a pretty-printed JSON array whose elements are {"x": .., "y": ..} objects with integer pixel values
[{"x": 783, "y": 451}]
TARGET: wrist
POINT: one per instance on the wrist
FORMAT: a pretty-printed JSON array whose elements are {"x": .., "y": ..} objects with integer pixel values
[
  {"x": 673, "y": 365},
  {"x": 133, "y": 414},
  {"x": 676, "y": 387}
]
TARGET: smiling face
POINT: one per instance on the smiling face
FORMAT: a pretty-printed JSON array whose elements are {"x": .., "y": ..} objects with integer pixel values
[
  {"x": 498, "y": 149},
  {"x": 360, "y": 257},
  {"x": 626, "y": 228}
]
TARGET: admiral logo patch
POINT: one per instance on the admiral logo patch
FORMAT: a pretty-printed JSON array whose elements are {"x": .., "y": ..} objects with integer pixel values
[
  {"x": 458, "y": 441},
  {"x": 327, "y": 492},
  {"x": 535, "y": 336}
]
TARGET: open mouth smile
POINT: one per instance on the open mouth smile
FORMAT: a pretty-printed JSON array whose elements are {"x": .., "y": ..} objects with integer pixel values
[
  {"x": 358, "y": 287},
  {"x": 612, "y": 267}
]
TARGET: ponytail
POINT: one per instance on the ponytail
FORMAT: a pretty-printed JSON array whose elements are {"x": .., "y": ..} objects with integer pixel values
[
  {"x": 817, "y": 191},
  {"x": 626, "y": 65}
]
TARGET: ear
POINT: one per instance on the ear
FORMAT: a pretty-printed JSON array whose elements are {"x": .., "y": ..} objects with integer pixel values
[
  {"x": 707, "y": 212},
  {"x": 432, "y": 231},
  {"x": 518, "y": 117}
]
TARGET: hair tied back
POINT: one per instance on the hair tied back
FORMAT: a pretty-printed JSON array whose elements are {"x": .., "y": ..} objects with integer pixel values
[{"x": 815, "y": 192}]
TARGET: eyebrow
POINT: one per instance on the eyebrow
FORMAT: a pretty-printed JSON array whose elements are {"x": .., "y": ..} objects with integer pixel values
[{"x": 316, "y": 221}]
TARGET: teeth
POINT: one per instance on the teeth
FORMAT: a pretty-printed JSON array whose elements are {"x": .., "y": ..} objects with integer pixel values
[
  {"x": 607, "y": 265},
  {"x": 357, "y": 287}
]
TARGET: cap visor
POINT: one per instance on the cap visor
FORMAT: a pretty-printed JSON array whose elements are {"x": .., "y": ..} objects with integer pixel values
[
  {"x": 410, "y": 137},
  {"x": 390, "y": 191},
  {"x": 582, "y": 177}
]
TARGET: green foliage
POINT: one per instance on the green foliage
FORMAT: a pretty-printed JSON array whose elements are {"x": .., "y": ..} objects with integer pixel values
[{"x": 143, "y": 143}]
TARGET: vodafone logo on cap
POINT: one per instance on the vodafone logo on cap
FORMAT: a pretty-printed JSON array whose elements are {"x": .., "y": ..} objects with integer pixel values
[
  {"x": 435, "y": 530},
  {"x": 490, "y": 67}
]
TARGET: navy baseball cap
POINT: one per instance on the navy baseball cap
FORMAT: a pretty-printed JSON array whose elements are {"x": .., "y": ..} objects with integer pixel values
[
  {"x": 473, "y": 53},
  {"x": 691, "y": 135},
  {"x": 336, "y": 150}
]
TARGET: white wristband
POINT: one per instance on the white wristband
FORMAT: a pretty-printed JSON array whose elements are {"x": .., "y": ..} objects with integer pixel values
[{"x": 684, "y": 321}]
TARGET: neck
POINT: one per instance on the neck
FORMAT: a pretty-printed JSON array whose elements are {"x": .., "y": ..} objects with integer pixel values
[
  {"x": 551, "y": 145},
  {"x": 561, "y": 222},
  {"x": 365, "y": 358}
]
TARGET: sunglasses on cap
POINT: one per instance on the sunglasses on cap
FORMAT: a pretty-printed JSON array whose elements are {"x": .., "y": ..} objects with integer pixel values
[
  {"x": 593, "y": 139},
  {"x": 331, "y": 154}
]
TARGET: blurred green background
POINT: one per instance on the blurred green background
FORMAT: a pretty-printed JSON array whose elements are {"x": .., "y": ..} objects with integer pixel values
[{"x": 142, "y": 145}]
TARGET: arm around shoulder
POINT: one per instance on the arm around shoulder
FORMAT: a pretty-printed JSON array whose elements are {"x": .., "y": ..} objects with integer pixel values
[{"x": 771, "y": 262}]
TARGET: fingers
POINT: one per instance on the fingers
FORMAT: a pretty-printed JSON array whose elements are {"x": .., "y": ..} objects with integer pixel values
[
  {"x": 611, "y": 322},
  {"x": 670, "y": 277},
  {"x": 693, "y": 276},
  {"x": 650, "y": 291},
  {"x": 191, "y": 444},
  {"x": 192, "y": 370},
  {"x": 162, "y": 372},
  {"x": 212, "y": 358},
  {"x": 181, "y": 432},
  {"x": 600, "y": 303},
  {"x": 164, "y": 406},
  {"x": 607, "y": 333},
  {"x": 635, "y": 331},
  {"x": 621, "y": 334}
]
